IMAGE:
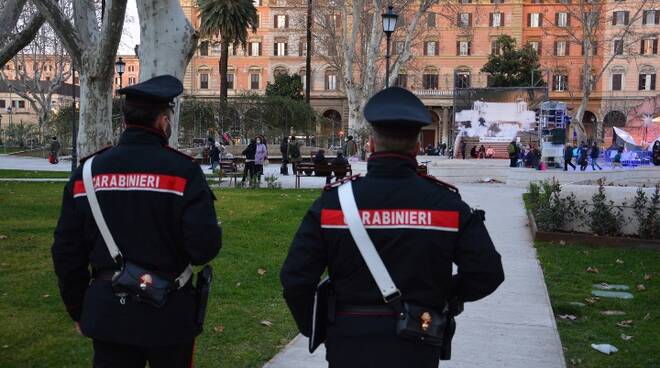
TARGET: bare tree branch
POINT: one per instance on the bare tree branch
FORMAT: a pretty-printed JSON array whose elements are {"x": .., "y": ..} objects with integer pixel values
[
  {"x": 21, "y": 40},
  {"x": 69, "y": 35}
]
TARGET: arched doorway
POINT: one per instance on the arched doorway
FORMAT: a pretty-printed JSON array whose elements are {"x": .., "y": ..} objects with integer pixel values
[
  {"x": 614, "y": 118},
  {"x": 589, "y": 122},
  {"x": 431, "y": 135},
  {"x": 330, "y": 126}
]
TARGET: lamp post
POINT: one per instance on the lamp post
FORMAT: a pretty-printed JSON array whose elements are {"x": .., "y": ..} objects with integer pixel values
[
  {"x": 389, "y": 23},
  {"x": 120, "y": 65}
]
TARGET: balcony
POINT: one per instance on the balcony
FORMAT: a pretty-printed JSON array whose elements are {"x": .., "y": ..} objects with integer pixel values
[{"x": 433, "y": 92}]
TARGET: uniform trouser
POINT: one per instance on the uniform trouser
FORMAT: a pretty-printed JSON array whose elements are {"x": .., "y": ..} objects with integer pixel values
[
  {"x": 371, "y": 342},
  {"x": 513, "y": 161},
  {"x": 111, "y": 355}
]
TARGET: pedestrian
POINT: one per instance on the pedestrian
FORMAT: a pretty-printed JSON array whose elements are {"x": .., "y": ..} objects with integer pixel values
[
  {"x": 363, "y": 328},
  {"x": 294, "y": 153},
  {"x": 616, "y": 162},
  {"x": 595, "y": 154},
  {"x": 583, "y": 155},
  {"x": 249, "y": 152},
  {"x": 656, "y": 153},
  {"x": 463, "y": 148},
  {"x": 124, "y": 245},
  {"x": 444, "y": 148},
  {"x": 284, "y": 148},
  {"x": 215, "y": 156},
  {"x": 54, "y": 151},
  {"x": 339, "y": 161},
  {"x": 260, "y": 157},
  {"x": 321, "y": 165},
  {"x": 351, "y": 148},
  {"x": 490, "y": 152},
  {"x": 568, "y": 157},
  {"x": 512, "y": 149}
]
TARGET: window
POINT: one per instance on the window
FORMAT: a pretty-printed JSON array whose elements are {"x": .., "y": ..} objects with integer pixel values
[
  {"x": 465, "y": 20},
  {"x": 2, "y": 104},
  {"x": 21, "y": 104},
  {"x": 430, "y": 80},
  {"x": 536, "y": 46},
  {"x": 561, "y": 19},
  {"x": 620, "y": 18},
  {"x": 430, "y": 20},
  {"x": 618, "y": 47},
  {"x": 465, "y": 1},
  {"x": 401, "y": 80},
  {"x": 254, "y": 81},
  {"x": 131, "y": 68},
  {"x": 330, "y": 81},
  {"x": 649, "y": 46},
  {"x": 462, "y": 79},
  {"x": 255, "y": 49},
  {"x": 561, "y": 48},
  {"x": 651, "y": 17},
  {"x": 495, "y": 48},
  {"x": 463, "y": 48},
  {"x": 616, "y": 81},
  {"x": 204, "y": 49},
  {"x": 594, "y": 47},
  {"x": 534, "y": 20},
  {"x": 647, "y": 81},
  {"x": 431, "y": 48},
  {"x": 281, "y": 21},
  {"x": 592, "y": 19},
  {"x": 398, "y": 47},
  {"x": 203, "y": 81},
  {"x": 560, "y": 82},
  {"x": 563, "y": 1},
  {"x": 280, "y": 49},
  {"x": 497, "y": 1},
  {"x": 117, "y": 81},
  {"x": 131, "y": 81},
  {"x": 497, "y": 19}
]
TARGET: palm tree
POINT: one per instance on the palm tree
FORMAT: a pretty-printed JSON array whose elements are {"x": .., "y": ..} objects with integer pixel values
[{"x": 231, "y": 19}]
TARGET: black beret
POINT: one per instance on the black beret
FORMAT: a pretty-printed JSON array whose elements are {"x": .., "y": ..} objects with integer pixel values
[
  {"x": 397, "y": 111},
  {"x": 157, "y": 91}
]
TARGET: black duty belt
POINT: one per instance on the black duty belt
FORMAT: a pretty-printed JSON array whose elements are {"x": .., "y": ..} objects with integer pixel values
[
  {"x": 366, "y": 311},
  {"x": 105, "y": 275}
]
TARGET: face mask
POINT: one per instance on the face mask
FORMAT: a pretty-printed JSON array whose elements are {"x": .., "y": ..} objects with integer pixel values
[
  {"x": 258, "y": 141},
  {"x": 168, "y": 130}
]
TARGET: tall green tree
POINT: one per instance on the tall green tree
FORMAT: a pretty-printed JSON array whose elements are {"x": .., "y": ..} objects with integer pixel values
[
  {"x": 231, "y": 19},
  {"x": 286, "y": 85},
  {"x": 513, "y": 67}
]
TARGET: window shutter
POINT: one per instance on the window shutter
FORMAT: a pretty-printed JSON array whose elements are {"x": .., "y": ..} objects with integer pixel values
[
  {"x": 259, "y": 49},
  {"x": 338, "y": 21},
  {"x": 653, "y": 82},
  {"x": 539, "y": 48},
  {"x": 250, "y": 49},
  {"x": 626, "y": 18},
  {"x": 274, "y": 21},
  {"x": 657, "y": 16},
  {"x": 458, "y": 20},
  {"x": 469, "y": 48},
  {"x": 642, "y": 47},
  {"x": 641, "y": 81},
  {"x": 594, "y": 48},
  {"x": 655, "y": 46},
  {"x": 554, "y": 82},
  {"x": 501, "y": 19},
  {"x": 540, "y": 20},
  {"x": 458, "y": 48},
  {"x": 568, "y": 19},
  {"x": 437, "y": 48},
  {"x": 275, "y": 49},
  {"x": 470, "y": 19},
  {"x": 568, "y": 48},
  {"x": 614, "y": 18},
  {"x": 426, "y": 48},
  {"x": 491, "y": 19},
  {"x": 644, "y": 16},
  {"x": 286, "y": 21},
  {"x": 286, "y": 48},
  {"x": 556, "y": 53},
  {"x": 529, "y": 19},
  {"x": 557, "y": 19}
]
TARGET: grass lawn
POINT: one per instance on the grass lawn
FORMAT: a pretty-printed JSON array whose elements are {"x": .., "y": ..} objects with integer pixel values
[
  {"x": 258, "y": 226},
  {"x": 568, "y": 281},
  {"x": 34, "y": 174}
]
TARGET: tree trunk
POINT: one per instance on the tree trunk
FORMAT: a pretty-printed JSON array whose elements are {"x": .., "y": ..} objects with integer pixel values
[
  {"x": 167, "y": 43},
  {"x": 95, "y": 126},
  {"x": 224, "y": 59}
]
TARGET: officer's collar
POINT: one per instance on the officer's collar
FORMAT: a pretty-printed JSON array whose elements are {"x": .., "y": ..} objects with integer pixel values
[
  {"x": 391, "y": 164},
  {"x": 142, "y": 135}
]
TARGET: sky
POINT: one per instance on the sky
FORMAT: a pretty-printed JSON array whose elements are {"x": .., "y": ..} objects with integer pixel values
[{"x": 131, "y": 34}]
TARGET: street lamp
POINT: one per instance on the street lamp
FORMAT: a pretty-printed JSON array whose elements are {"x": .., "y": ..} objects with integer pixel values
[
  {"x": 119, "y": 68},
  {"x": 389, "y": 23}
]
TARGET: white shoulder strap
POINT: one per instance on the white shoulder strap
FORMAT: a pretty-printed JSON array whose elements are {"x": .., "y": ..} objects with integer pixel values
[
  {"x": 365, "y": 245},
  {"x": 103, "y": 227},
  {"x": 96, "y": 210}
]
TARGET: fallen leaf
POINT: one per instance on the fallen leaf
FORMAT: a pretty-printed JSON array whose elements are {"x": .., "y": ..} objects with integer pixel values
[
  {"x": 266, "y": 323},
  {"x": 592, "y": 269},
  {"x": 613, "y": 313},
  {"x": 562, "y": 242},
  {"x": 238, "y": 284},
  {"x": 3, "y": 237},
  {"x": 219, "y": 328},
  {"x": 619, "y": 261},
  {"x": 568, "y": 317},
  {"x": 261, "y": 271},
  {"x": 647, "y": 276},
  {"x": 592, "y": 300},
  {"x": 45, "y": 296},
  {"x": 641, "y": 287},
  {"x": 625, "y": 323},
  {"x": 5, "y": 346},
  {"x": 625, "y": 337},
  {"x": 647, "y": 317}
]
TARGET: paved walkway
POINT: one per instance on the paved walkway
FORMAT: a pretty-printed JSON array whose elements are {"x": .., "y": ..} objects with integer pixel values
[{"x": 512, "y": 328}]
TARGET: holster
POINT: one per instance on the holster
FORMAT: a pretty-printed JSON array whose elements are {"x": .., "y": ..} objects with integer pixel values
[
  {"x": 421, "y": 324},
  {"x": 141, "y": 285},
  {"x": 203, "y": 286}
]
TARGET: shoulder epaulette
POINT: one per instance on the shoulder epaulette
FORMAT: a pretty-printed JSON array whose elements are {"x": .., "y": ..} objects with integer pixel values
[
  {"x": 82, "y": 160},
  {"x": 181, "y": 153},
  {"x": 340, "y": 182},
  {"x": 440, "y": 182}
]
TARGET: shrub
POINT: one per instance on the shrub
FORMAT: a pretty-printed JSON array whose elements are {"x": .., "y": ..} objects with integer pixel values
[
  {"x": 604, "y": 218},
  {"x": 551, "y": 210},
  {"x": 648, "y": 219}
]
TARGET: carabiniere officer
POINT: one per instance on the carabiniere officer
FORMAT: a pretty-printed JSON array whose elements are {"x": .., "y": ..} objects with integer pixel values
[
  {"x": 159, "y": 209},
  {"x": 419, "y": 226}
]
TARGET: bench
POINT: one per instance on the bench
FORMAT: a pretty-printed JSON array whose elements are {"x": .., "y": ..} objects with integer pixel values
[
  {"x": 230, "y": 170},
  {"x": 309, "y": 169}
]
